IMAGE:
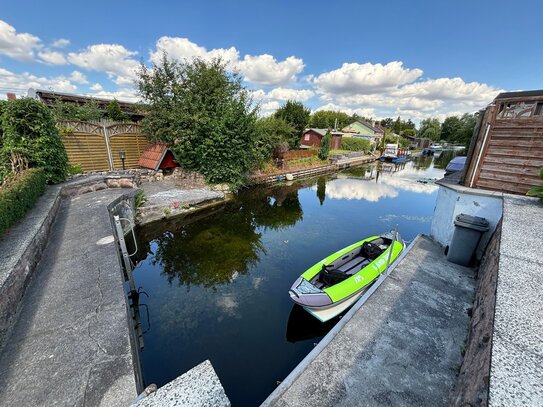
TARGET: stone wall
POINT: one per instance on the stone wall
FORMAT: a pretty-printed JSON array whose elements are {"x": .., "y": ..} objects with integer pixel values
[
  {"x": 473, "y": 381},
  {"x": 142, "y": 175}
]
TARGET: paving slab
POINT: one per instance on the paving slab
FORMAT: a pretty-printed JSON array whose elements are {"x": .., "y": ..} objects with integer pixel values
[
  {"x": 199, "y": 387},
  {"x": 401, "y": 348},
  {"x": 516, "y": 373},
  {"x": 164, "y": 199},
  {"x": 70, "y": 345}
]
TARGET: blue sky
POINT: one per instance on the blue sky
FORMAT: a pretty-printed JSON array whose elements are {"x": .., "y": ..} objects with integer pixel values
[{"x": 416, "y": 59}]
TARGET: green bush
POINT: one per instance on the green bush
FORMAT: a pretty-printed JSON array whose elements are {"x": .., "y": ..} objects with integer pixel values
[
  {"x": 18, "y": 194},
  {"x": 325, "y": 148},
  {"x": 29, "y": 129},
  {"x": 356, "y": 144},
  {"x": 537, "y": 191}
]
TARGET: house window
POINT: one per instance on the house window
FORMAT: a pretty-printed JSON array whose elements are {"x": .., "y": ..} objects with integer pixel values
[{"x": 307, "y": 137}]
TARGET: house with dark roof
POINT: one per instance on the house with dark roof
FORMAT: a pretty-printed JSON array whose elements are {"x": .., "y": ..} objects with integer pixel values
[
  {"x": 50, "y": 97},
  {"x": 313, "y": 138}
]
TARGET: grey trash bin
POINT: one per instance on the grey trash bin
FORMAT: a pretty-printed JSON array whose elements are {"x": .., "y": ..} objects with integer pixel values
[{"x": 467, "y": 233}]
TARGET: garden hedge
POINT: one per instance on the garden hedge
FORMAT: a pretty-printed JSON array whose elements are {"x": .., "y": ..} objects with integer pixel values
[
  {"x": 356, "y": 144},
  {"x": 19, "y": 194}
]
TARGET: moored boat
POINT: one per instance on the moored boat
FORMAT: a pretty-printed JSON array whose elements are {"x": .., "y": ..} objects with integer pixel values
[{"x": 345, "y": 274}]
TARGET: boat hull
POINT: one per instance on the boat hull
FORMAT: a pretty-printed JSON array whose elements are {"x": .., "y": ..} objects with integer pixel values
[{"x": 313, "y": 294}]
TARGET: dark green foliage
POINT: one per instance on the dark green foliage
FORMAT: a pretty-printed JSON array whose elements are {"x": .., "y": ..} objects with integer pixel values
[
  {"x": 356, "y": 144},
  {"x": 397, "y": 125},
  {"x": 297, "y": 115},
  {"x": 430, "y": 128},
  {"x": 326, "y": 119},
  {"x": 19, "y": 194},
  {"x": 325, "y": 147},
  {"x": 537, "y": 191},
  {"x": 205, "y": 113},
  {"x": 87, "y": 112},
  {"x": 321, "y": 189},
  {"x": 29, "y": 130},
  {"x": 114, "y": 112},
  {"x": 409, "y": 132},
  {"x": 458, "y": 130},
  {"x": 271, "y": 132},
  {"x": 4, "y": 167}
]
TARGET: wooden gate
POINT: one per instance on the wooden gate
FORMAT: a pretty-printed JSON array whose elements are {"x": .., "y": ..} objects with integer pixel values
[
  {"x": 96, "y": 146},
  {"x": 508, "y": 151},
  {"x": 85, "y": 145},
  {"x": 126, "y": 137}
]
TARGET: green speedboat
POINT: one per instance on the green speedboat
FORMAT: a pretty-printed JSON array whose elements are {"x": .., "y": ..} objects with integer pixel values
[{"x": 344, "y": 275}]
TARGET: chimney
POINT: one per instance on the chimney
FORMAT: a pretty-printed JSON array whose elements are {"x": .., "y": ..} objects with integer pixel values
[{"x": 11, "y": 96}]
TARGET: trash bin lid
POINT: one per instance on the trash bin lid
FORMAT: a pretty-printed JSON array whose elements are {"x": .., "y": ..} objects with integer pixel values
[{"x": 472, "y": 222}]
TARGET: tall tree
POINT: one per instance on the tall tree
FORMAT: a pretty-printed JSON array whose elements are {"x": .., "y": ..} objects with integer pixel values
[
  {"x": 204, "y": 112},
  {"x": 430, "y": 128},
  {"x": 297, "y": 115},
  {"x": 451, "y": 128},
  {"x": 326, "y": 119}
]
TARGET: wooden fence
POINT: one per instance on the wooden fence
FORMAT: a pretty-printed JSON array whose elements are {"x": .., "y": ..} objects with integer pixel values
[
  {"x": 96, "y": 146},
  {"x": 508, "y": 150},
  {"x": 295, "y": 154}
]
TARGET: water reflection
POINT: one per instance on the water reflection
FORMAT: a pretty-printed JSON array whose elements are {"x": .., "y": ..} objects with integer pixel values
[
  {"x": 347, "y": 188},
  {"x": 302, "y": 326},
  {"x": 218, "y": 248}
]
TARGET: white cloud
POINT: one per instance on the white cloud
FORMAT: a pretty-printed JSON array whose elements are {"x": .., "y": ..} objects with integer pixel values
[
  {"x": 21, "y": 46},
  {"x": 454, "y": 89},
  {"x": 60, "y": 43},
  {"x": 392, "y": 90},
  {"x": 266, "y": 70},
  {"x": 52, "y": 57},
  {"x": 268, "y": 108},
  {"x": 183, "y": 48},
  {"x": 353, "y": 78},
  {"x": 113, "y": 59},
  {"x": 299, "y": 95},
  {"x": 365, "y": 112},
  {"x": 122, "y": 94},
  {"x": 259, "y": 69},
  {"x": 78, "y": 77},
  {"x": 97, "y": 87},
  {"x": 20, "y": 83}
]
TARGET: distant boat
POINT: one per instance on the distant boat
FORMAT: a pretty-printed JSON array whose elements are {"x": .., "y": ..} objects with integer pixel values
[
  {"x": 332, "y": 285},
  {"x": 436, "y": 146}
]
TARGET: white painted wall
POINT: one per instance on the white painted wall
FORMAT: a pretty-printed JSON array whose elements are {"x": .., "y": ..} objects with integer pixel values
[{"x": 451, "y": 202}]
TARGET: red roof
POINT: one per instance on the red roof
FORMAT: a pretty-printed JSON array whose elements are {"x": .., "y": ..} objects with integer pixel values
[{"x": 153, "y": 156}]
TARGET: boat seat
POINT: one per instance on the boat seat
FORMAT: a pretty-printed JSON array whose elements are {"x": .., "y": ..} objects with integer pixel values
[{"x": 354, "y": 265}]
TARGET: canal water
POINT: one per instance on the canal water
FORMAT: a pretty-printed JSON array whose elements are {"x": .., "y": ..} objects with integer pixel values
[{"x": 218, "y": 283}]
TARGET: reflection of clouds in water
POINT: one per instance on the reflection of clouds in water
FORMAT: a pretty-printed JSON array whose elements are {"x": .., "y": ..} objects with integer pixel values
[
  {"x": 358, "y": 189},
  {"x": 391, "y": 217},
  {"x": 257, "y": 281},
  {"x": 409, "y": 185},
  {"x": 229, "y": 305}
]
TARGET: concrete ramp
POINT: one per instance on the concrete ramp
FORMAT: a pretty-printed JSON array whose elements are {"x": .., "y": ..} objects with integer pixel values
[{"x": 402, "y": 347}]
